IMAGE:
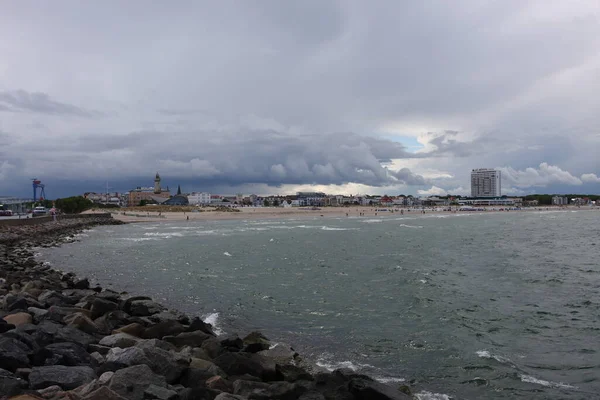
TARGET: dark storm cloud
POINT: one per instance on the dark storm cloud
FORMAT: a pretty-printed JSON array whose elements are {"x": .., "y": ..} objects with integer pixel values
[{"x": 23, "y": 101}]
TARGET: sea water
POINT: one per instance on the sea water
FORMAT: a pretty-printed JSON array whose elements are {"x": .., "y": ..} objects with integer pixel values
[{"x": 462, "y": 306}]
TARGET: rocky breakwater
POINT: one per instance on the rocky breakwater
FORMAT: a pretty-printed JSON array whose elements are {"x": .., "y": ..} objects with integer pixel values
[{"x": 62, "y": 339}]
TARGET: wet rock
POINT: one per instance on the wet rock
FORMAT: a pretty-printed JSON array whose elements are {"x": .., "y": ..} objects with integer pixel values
[
  {"x": 82, "y": 284},
  {"x": 255, "y": 342},
  {"x": 144, "y": 308},
  {"x": 18, "y": 319},
  {"x": 279, "y": 391},
  {"x": 10, "y": 384},
  {"x": 367, "y": 389},
  {"x": 157, "y": 343},
  {"x": 198, "y": 325},
  {"x": 281, "y": 353},
  {"x": 162, "y": 329},
  {"x": 232, "y": 344},
  {"x": 212, "y": 347},
  {"x": 193, "y": 339},
  {"x": 67, "y": 353},
  {"x": 293, "y": 373},
  {"x": 13, "y": 354},
  {"x": 246, "y": 363},
  {"x": 154, "y": 392},
  {"x": 66, "y": 377},
  {"x": 133, "y": 381},
  {"x": 134, "y": 329},
  {"x": 121, "y": 340},
  {"x": 82, "y": 322},
  {"x": 102, "y": 306},
  {"x": 170, "y": 316}
]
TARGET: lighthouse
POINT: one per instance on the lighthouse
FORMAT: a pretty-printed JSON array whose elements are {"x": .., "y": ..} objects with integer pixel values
[{"x": 157, "y": 188}]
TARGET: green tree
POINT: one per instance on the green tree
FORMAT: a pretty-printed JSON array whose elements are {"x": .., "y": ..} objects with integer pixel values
[
  {"x": 266, "y": 203},
  {"x": 275, "y": 203},
  {"x": 73, "y": 205}
]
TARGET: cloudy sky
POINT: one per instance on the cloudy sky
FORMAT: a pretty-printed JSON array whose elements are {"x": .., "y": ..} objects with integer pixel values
[{"x": 276, "y": 96}]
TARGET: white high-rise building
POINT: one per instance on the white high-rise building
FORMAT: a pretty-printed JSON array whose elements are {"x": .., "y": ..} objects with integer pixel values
[{"x": 486, "y": 182}]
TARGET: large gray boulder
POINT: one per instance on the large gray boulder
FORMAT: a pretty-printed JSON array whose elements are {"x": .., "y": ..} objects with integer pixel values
[
  {"x": 163, "y": 362},
  {"x": 102, "y": 306},
  {"x": 144, "y": 308},
  {"x": 10, "y": 384},
  {"x": 66, "y": 377},
  {"x": 367, "y": 389},
  {"x": 67, "y": 353},
  {"x": 13, "y": 354},
  {"x": 132, "y": 382},
  {"x": 71, "y": 334},
  {"x": 279, "y": 391},
  {"x": 246, "y": 363},
  {"x": 121, "y": 340},
  {"x": 193, "y": 339},
  {"x": 128, "y": 356}
]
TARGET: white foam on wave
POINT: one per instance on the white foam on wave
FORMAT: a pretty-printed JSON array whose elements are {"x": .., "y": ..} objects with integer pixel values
[
  {"x": 532, "y": 379},
  {"x": 384, "y": 379},
  {"x": 213, "y": 319},
  {"x": 411, "y": 226},
  {"x": 372, "y": 221},
  {"x": 424, "y": 395},
  {"x": 329, "y": 228},
  {"x": 333, "y": 365},
  {"x": 487, "y": 354},
  {"x": 166, "y": 235},
  {"x": 227, "y": 254},
  {"x": 143, "y": 239}
]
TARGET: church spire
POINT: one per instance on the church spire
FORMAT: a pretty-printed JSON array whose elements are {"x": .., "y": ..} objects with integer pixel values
[
  {"x": 178, "y": 190},
  {"x": 157, "y": 188}
]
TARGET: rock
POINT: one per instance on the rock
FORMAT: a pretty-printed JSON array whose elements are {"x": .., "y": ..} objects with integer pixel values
[
  {"x": 193, "y": 339},
  {"x": 13, "y": 354},
  {"x": 23, "y": 373},
  {"x": 112, "y": 320},
  {"x": 122, "y": 340},
  {"x": 11, "y": 385},
  {"x": 102, "y": 306},
  {"x": 51, "y": 298},
  {"x": 5, "y": 327},
  {"x": 170, "y": 315},
  {"x": 255, "y": 342},
  {"x": 281, "y": 353},
  {"x": 71, "y": 334},
  {"x": 165, "y": 363},
  {"x": 109, "y": 295},
  {"x": 246, "y": 363},
  {"x": 198, "y": 393},
  {"x": 66, "y": 377},
  {"x": 219, "y": 383},
  {"x": 58, "y": 314},
  {"x": 26, "y": 397},
  {"x": 38, "y": 313},
  {"x": 279, "y": 391},
  {"x": 366, "y": 389},
  {"x": 103, "y": 393},
  {"x": 293, "y": 373},
  {"x": 161, "y": 344},
  {"x": 144, "y": 308},
  {"x": 244, "y": 388},
  {"x": 312, "y": 395},
  {"x": 133, "y": 329},
  {"x": 162, "y": 329},
  {"x": 99, "y": 349},
  {"x": 212, "y": 347},
  {"x": 229, "y": 396},
  {"x": 44, "y": 332},
  {"x": 82, "y": 284},
  {"x": 133, "y": 381},
  {"x": 68, "y": 353},
  {"x": 18, "y": 319},
  {"x": 81, "y": 322},
  {"x": 159, "y": 393},
  {"x": 97, "y": 358},
  {"x": 232, "y": 344},
  {"x": 198, "y": 325},
  {"x": 50, "y": 391},
  {"x": 126, "y": 305},
  {"x": 128, "y": 356},
  {"x": 194, "y": 378},
  {"x": 24, "y": 338}
]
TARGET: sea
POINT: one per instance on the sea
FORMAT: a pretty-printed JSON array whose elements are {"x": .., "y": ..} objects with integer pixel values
[{"x": 496, "y": 305}]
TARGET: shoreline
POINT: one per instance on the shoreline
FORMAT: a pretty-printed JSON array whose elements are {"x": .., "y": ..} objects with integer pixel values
[
  {"x": 60, "y": 338},
  {"x": 251, "y": 213}
]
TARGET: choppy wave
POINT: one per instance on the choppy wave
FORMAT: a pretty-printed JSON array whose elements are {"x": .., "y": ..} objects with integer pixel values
[
  {"x": 424, "y": 395},
  {"x": 333, "y": 365},
  {"x": 487, "y": 354},
  {"x": 411, "y": 226},
  {"x": 532, "y": 379},
  {"x": 213, "y": 319}
]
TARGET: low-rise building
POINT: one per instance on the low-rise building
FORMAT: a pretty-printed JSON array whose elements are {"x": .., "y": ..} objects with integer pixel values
[
  {"x": 560, "y": 200},
  {"x": 199, "y": 198}
]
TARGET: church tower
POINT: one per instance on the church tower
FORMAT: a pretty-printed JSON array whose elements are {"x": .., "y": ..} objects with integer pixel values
[{"x": 157, "y": 189}]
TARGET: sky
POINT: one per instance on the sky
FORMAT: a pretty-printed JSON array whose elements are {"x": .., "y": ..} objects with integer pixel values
[{"x": 271, "y": 97}]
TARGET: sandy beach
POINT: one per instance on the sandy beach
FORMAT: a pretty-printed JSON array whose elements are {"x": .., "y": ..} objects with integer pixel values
[{"x": 245, "y": 213}]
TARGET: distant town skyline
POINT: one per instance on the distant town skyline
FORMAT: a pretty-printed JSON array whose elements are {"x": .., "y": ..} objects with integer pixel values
[{"x": 279, "y": 97}]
